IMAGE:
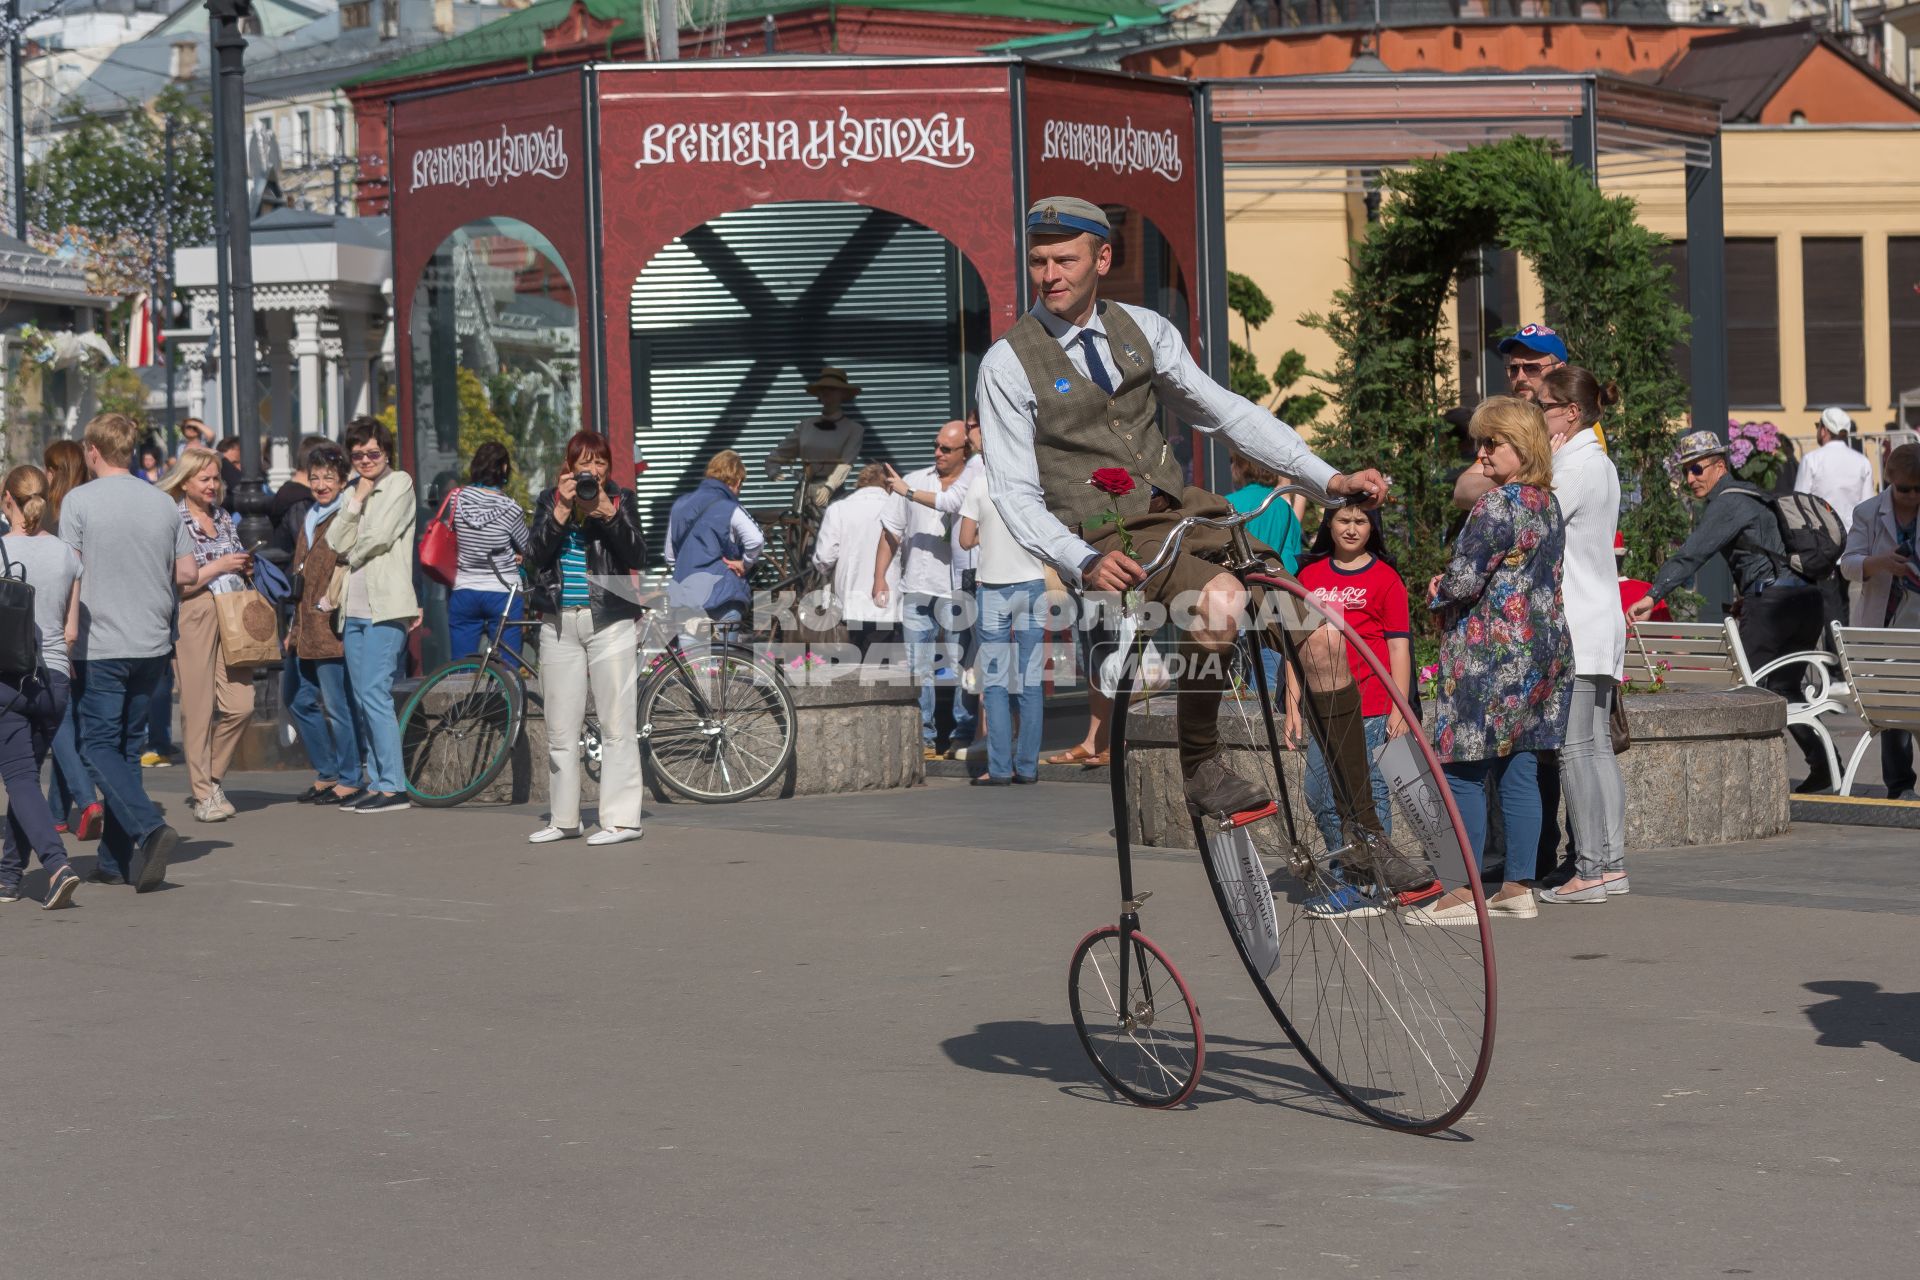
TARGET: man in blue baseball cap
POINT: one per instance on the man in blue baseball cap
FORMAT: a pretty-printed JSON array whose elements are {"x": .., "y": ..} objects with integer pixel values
[{"x": 1531, "y": 352}]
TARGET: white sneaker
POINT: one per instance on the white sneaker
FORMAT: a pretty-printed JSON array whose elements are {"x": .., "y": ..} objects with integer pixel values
[
  {"x": 547, "y": 835},
  {"x": 614, "y": 835},
  {"x": 207, "y": 811},
  {"x": 218, "y": 800}
]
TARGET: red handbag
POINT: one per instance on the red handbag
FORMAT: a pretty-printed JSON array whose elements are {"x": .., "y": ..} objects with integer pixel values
[{"x": 440, "y": 546}]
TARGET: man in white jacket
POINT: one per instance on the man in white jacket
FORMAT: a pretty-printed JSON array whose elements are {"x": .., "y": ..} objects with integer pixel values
[
  {"x": 847, "y": 546},
  {"x": 1880, "y": 560},
  {"x": 1836, "y": 472}
]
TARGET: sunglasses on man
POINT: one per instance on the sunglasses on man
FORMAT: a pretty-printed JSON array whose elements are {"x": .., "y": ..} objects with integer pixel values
[
  {"x": 1905, "y": 490},
  {"x": 1696, "y": 469},
  {"x": 1529, "y": 367}
]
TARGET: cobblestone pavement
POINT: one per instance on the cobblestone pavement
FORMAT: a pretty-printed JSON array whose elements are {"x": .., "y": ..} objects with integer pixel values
[{"x": 829, "y": 1037}]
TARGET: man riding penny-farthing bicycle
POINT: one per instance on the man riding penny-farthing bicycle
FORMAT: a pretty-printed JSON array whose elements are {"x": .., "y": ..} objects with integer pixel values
[{"x": 1076, "y": 386}]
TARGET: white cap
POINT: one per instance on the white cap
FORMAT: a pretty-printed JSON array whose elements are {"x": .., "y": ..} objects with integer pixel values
[{"x": 1835, "y": 419}]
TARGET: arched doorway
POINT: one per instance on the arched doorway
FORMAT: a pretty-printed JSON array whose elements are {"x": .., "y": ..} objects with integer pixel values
[
  {"x": 496, "y": 354},
  {"x": 732, "y": 320}
]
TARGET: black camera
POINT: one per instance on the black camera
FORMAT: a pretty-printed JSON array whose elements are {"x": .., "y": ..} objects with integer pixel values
[{"x": 586, "y": 486}]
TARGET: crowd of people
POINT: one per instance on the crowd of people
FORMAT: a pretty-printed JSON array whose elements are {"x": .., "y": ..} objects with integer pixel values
[{"x": 135, "y": 562}]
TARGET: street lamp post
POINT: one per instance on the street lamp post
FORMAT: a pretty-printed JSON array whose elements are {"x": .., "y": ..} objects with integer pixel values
[{"x": 249, "y": 497}]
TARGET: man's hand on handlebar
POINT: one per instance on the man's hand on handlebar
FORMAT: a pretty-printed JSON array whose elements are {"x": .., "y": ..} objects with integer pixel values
[
  {"x": 1114, "y": 571},
  {"x": 1367, "y": 489}
]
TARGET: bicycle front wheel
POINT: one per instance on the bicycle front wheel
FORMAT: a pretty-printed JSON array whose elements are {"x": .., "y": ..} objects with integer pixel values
[
  {"x": 1143, "y": 1035},
  {"x": 458, "y": 729},
  {"x": 719, "y": 724},
  {"x": 1378, "y": 959}
]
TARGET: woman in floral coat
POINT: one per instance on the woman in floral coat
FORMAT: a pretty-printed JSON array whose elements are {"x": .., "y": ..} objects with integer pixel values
[{"x": 1506, "y": 663}]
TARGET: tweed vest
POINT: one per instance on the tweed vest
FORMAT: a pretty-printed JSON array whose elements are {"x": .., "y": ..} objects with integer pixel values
[{"x": 1078, "y": 428}]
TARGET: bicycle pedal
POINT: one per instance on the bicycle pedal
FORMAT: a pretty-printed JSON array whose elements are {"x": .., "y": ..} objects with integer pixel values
[{"x": 1231, "y": 821}]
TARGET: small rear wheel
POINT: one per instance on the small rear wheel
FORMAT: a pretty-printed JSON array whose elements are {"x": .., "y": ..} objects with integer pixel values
[
  {"x": 458, "y": 729},
  {"x": 1144, "y": 1036}
]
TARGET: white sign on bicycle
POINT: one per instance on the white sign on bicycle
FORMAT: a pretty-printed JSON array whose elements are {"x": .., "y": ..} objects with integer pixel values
[
  {"x": 1236, "y": 863},
  {"x": 1412, "y": 783}
]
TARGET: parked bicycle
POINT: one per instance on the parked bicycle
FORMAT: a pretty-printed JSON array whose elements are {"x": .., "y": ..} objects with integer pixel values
[
  {"x": 1396, "y": 1014},
  {"x": 717, "y": 722}
]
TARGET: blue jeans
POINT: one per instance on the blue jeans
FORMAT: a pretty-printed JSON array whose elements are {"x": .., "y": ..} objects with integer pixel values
[
  {"x": 114, "y": 700},
  {"x": 935, "y": 639},
  {"x": 1320, "y": 798},
  {"x": 324, "y": 712},
  {"x": 160, "y": 714},
  {"x": 1516, "y": 779},
  {"x": 34, "y": 711},
  {"x": 1010, "y": 675},
  {"x": 70, "y": 787},
  {"x": 373, "y": 653},
  {"x": 471, "y": 615}
]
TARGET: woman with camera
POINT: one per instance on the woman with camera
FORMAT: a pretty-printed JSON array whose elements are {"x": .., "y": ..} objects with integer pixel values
[{"x": 584, "y": 543}]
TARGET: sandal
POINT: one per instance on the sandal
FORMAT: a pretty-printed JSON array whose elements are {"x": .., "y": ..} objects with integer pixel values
[
  {"x": 1098, "y": 761},
  {"x": 1077, "y": 754}
]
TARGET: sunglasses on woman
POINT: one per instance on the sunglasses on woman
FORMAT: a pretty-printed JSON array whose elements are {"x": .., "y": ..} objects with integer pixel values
[{"x": 367, "y": 455}]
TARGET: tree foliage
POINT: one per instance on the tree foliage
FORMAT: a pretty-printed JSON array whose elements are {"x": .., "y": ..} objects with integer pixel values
[
  {"x": 102, "y": 188},
  {"x": 1606, "y": 293},
  {"x": 1249, "y": 301}
]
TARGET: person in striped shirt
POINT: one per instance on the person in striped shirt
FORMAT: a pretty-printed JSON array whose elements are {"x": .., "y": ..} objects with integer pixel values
[{"x": 490, "y": 530}]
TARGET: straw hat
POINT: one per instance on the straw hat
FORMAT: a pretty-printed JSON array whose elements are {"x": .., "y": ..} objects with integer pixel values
[{"x": 832, "y": 379}]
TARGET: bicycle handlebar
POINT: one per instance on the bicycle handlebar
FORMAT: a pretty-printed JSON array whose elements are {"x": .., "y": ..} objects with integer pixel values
[{"x": 1171, "y": 547}]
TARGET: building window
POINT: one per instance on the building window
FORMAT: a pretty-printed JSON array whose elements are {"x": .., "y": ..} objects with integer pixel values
[
  {"x": 186, "y": 59},
  {"x": 356, "y": 15},
  {"x": 1903, "y": 312},
  {"x": 303, "y": 139},
  {"x": 342, "y": 146},
  {"x": 1753, "y": 323},
  {"x": 1488, "y": 301},
  {"x": 1680, "y": 290},
  {"x": 1836, "y": 332}
]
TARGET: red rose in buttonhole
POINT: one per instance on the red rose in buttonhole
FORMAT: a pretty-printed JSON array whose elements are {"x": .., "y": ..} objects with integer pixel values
[{"x": 1113, "y": 480}]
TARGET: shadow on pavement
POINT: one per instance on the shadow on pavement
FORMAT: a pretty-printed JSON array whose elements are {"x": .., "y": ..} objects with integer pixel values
[
  {"x": 1860, "y": 1014},
  {"x": 1234, "y": 1069}
]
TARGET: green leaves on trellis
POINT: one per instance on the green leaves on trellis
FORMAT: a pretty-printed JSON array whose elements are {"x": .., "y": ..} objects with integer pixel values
[{"x": 1607, "y": 293}]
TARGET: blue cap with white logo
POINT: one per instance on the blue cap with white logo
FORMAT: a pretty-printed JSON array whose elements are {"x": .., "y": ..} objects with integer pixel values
[{"x": 1536, "y": 338}]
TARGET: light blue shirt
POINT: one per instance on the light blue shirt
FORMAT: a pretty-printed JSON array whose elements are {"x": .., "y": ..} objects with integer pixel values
[{"x": 1008, "y": 405}]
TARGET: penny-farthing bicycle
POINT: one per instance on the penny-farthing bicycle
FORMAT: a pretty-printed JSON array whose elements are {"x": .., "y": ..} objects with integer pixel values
[{"x": 1395, "y": 1012}]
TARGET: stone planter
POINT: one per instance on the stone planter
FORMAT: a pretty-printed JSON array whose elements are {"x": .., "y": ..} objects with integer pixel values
[
  {"x": 852, "y": 737},
  {"x": 1705, "y": 768}
]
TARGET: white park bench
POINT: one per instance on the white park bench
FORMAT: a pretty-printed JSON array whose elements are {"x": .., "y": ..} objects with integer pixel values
[
  {"x": 1881, "y": 666},
  {"x": 1703, "y": 657}
]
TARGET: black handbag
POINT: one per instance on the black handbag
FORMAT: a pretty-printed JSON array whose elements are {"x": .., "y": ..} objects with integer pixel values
[{"x": 19, "y": 632}]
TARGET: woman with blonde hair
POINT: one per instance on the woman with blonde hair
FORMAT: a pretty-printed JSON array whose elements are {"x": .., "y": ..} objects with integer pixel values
[
  {"x": 70, "y": 786},
  {"x": 1506, "y": 663},
  {"x": 216, "y": 700},
  {"x": 712, "y": 543},
  {"x": 32, "y": 705}
]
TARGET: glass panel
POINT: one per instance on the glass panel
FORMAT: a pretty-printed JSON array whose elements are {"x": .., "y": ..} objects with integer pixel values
[{"x": 496, "y": 356}]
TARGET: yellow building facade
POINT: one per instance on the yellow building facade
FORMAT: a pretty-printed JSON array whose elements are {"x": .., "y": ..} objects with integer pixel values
[{"x": 1809, "y": 191}]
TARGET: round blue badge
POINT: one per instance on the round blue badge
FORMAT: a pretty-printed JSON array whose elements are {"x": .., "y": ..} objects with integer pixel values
[{"x": 1062, "y": 385}]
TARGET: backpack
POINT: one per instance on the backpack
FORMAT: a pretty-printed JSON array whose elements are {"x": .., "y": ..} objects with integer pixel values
[
  {"x": 1809, "y": 529},
  {"x": 19, "y": 632}
]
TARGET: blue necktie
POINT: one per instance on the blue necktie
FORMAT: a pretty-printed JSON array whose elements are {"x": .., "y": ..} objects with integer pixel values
[{"x": 1096, "y": 367}]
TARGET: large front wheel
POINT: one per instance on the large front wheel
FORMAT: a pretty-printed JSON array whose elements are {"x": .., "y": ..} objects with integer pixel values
[
  {"x": 1377, "y": 959},
  {"x": 1141, "y": 1031}
]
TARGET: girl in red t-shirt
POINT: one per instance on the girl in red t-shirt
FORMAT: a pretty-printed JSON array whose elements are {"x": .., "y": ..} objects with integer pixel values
[{"x": 1347, "y": 571}]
